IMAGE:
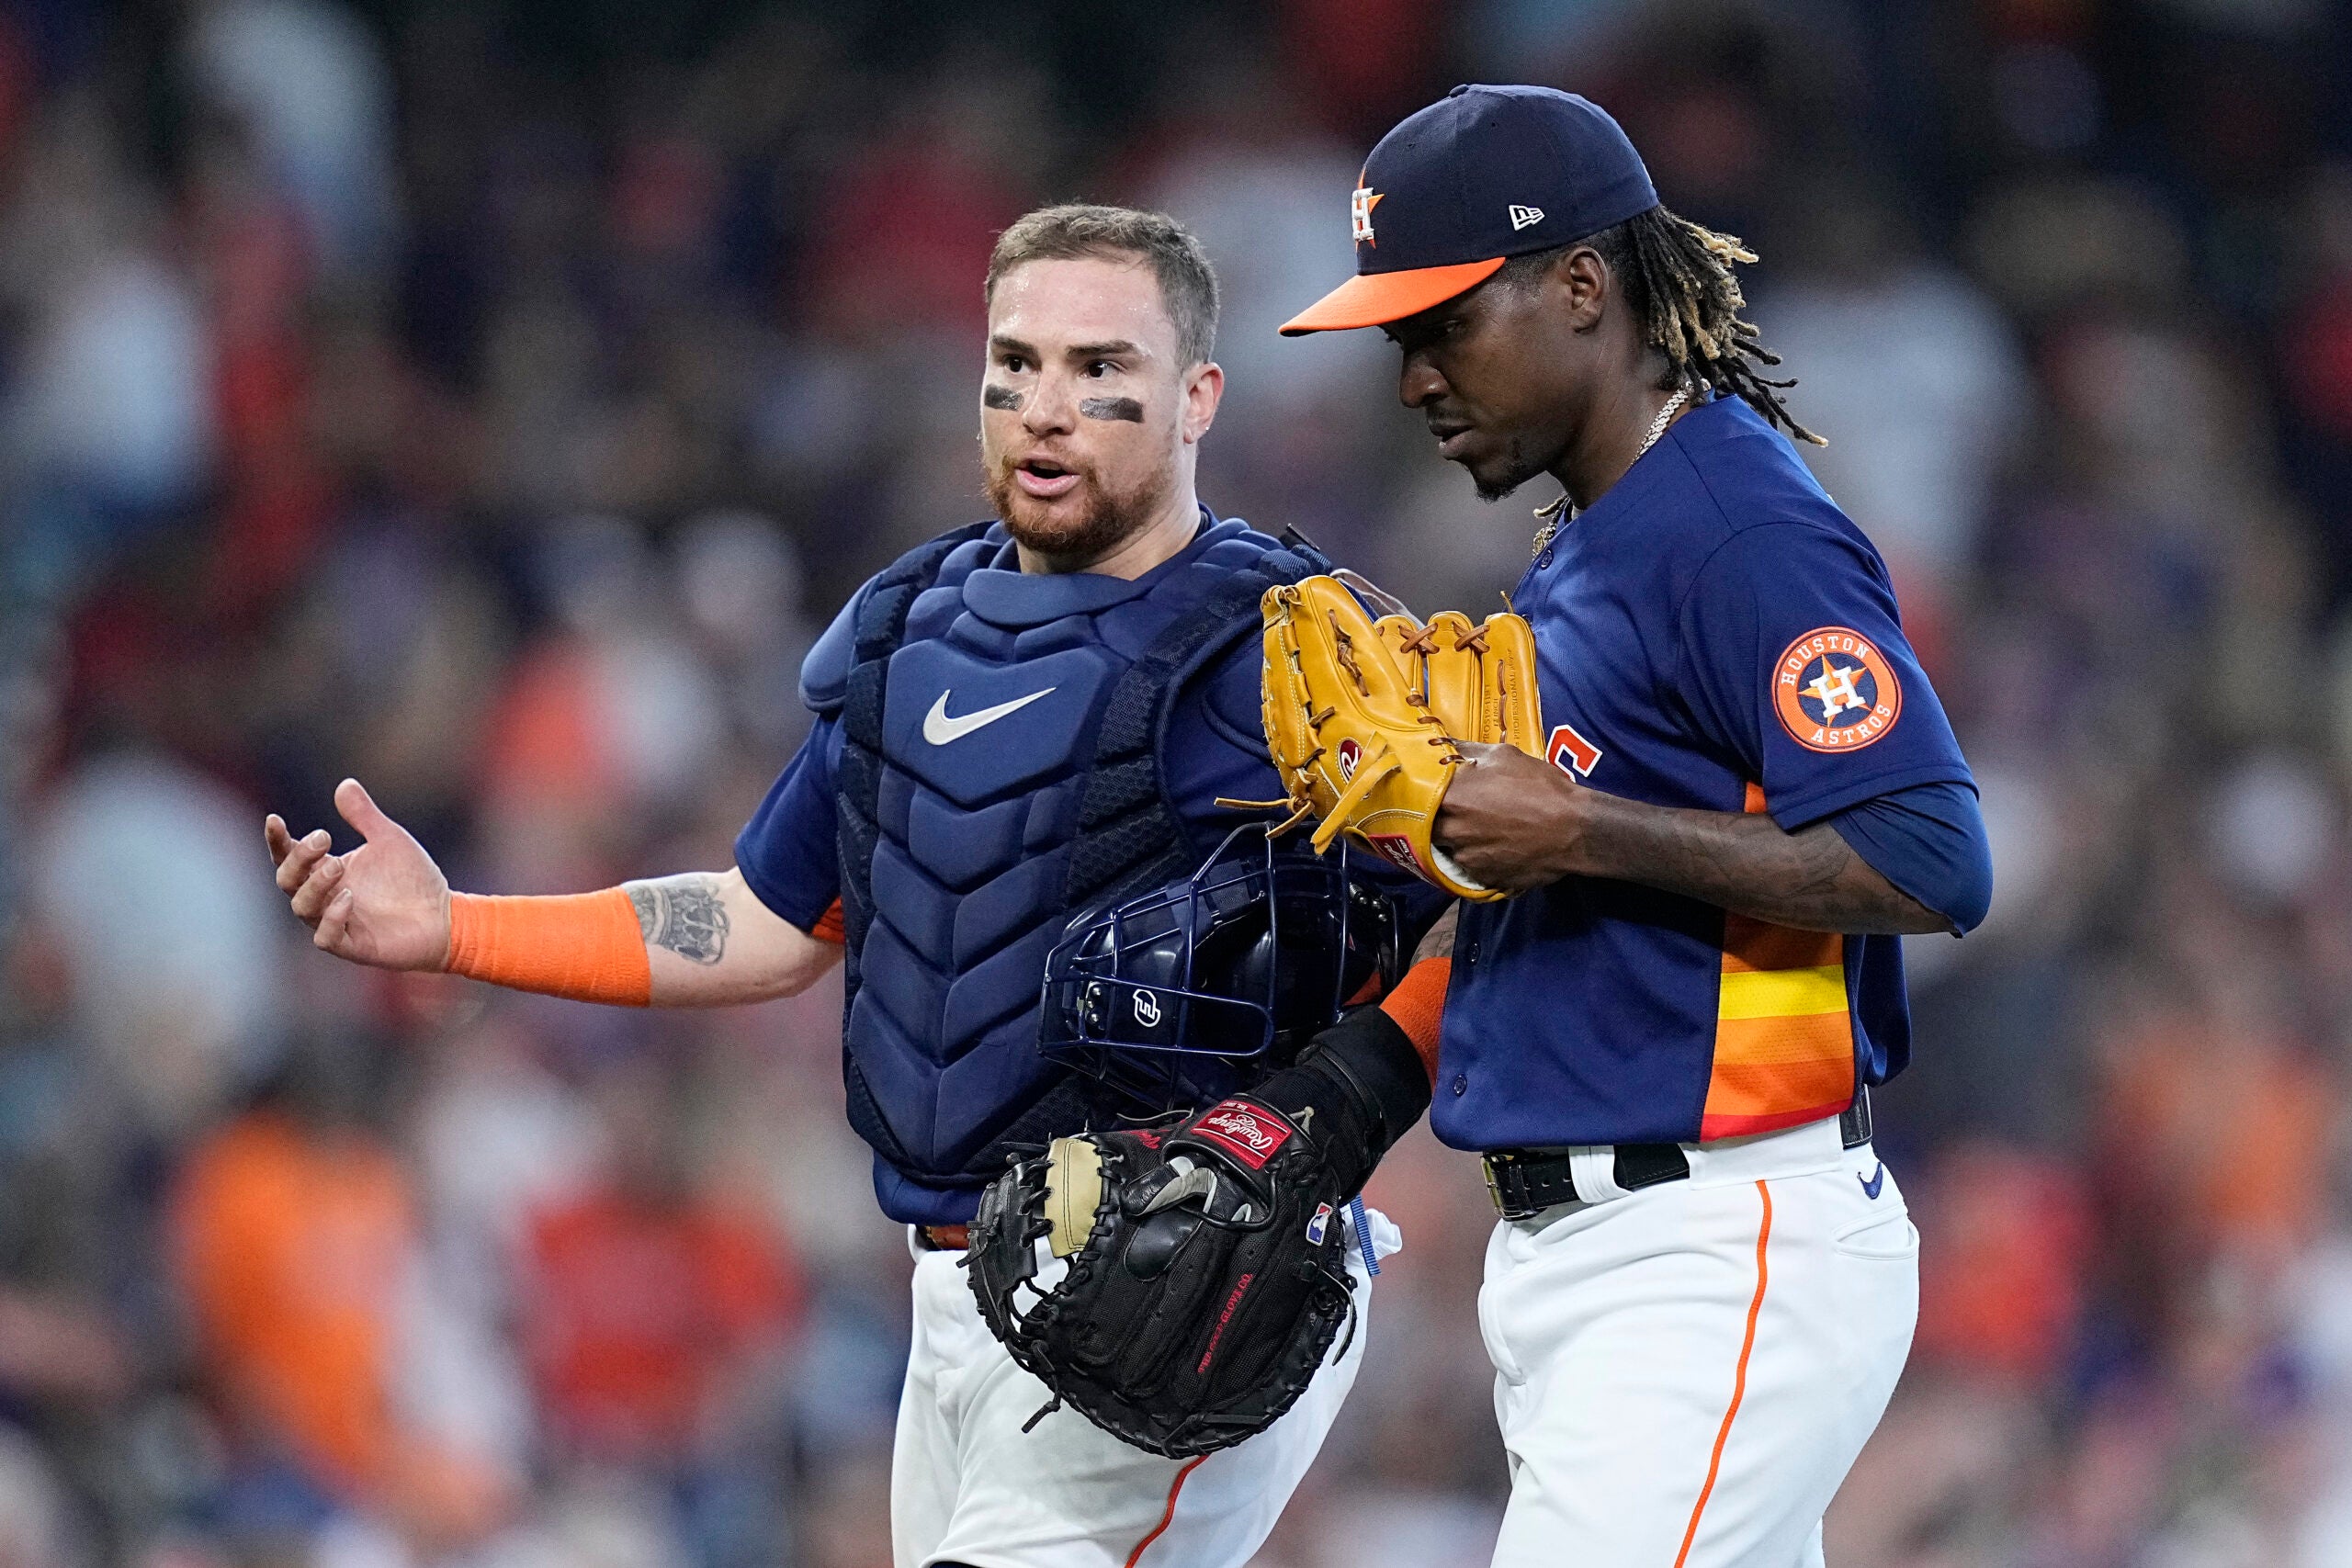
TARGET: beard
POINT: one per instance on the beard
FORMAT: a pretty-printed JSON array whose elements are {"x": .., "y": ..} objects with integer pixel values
[
  {"x": 1516, "y": 468},
  {"x": 1088, "y": 533}
]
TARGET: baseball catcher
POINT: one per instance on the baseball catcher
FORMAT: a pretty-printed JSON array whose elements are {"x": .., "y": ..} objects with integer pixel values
[{"x": 1031, "y": 715}]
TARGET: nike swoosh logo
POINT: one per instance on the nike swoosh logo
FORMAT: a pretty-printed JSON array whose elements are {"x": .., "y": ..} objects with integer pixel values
[
  {"x": 939, "y": 728},
  {"x": 1877, "y": 1181}
]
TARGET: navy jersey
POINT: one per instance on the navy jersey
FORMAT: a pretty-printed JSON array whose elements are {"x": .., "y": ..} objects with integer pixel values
[{"x": 1712, "y": 633}]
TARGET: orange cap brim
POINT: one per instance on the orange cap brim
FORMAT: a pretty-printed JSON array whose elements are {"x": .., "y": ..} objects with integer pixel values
[{"x": 1376, "y": 299}]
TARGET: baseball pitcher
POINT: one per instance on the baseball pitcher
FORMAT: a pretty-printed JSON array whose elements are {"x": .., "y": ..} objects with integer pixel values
[{"x": 1676, "y": 971}]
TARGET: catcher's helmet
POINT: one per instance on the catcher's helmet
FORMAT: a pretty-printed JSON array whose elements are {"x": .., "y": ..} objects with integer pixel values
[{"x": 1184, "y": 994}]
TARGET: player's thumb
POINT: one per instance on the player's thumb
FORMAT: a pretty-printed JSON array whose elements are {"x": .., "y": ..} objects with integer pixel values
[{"x": 360, "y": 809}]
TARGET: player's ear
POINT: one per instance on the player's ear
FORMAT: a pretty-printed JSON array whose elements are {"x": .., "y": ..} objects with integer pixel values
[
  {"x": 1577, "y": 284},
  {"x": 1204, "y": 388}
]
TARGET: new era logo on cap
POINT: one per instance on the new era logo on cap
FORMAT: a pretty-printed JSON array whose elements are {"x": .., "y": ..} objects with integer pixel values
[{"x": 1522, "y": 217}]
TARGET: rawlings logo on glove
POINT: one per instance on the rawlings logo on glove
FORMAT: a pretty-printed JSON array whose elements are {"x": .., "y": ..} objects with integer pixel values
[
  {"x": 1198, "y": 1296},
  {"x": 1203, "y": 1279},
  {"x": 1365, "y": 718},
  {"x": 1243, "y": 1131}
]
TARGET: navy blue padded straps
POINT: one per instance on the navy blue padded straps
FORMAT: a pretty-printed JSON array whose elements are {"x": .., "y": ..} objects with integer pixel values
[{"x": 1128, "y": 835}]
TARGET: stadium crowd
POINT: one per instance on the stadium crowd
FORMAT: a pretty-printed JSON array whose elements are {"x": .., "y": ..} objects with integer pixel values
[{"x": 491, "y": 401}]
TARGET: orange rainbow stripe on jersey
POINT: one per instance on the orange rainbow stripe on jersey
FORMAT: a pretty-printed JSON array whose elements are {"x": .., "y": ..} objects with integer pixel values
[{"x": 1784, "y": 1032}]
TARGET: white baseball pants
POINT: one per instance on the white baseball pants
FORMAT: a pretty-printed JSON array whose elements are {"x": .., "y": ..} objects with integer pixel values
[
  {"x": 967, "y": 1485},
  {"x": 1684, "y": 1373}
]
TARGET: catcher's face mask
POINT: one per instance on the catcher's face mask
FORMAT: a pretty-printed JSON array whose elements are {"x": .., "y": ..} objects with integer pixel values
[{"x": 1201, "y": 988}]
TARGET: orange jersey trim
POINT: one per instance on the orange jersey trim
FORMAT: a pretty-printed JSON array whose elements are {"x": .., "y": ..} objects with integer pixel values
[
  {"x": 1739, "y": 1381},
  {"x": 1752, "y": 945},
  {"x": 1784, "y": 1027},
  {"x": 828, "y": 927},
  {"x": 1711, "y": 1128}
]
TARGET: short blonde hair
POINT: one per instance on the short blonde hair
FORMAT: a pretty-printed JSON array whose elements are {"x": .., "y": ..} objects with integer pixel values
[{"x": 1077, "y": 229}]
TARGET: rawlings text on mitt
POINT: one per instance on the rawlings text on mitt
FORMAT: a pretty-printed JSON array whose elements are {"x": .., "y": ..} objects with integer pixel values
[{"x": 1206, "y": 1274}]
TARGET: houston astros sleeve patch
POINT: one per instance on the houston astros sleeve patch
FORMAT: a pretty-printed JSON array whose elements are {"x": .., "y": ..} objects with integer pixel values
[{"x": 1835, "y": 692}]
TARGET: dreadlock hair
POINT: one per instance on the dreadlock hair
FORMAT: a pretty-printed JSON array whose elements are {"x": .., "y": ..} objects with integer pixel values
[{"x": 1679, "y": 282}]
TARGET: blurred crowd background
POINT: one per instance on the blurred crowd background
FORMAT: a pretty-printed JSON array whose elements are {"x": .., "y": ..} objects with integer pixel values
[{"x": 490, "y": 400}]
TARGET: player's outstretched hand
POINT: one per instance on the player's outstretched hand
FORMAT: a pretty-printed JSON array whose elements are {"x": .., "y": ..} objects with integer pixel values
[
  {"x": 384, "y": 903},
  {"x": 1511, "y": 821}
]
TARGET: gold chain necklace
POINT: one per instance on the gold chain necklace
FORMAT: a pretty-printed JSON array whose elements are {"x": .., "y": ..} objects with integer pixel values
[{"x": 1557, "y": 513}]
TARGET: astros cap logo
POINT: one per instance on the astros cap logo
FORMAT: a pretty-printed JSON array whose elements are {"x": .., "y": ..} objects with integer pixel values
[
  {"x": 1835, "y": 691},
  {"x": 1360, "y": 208},
  {"x": 1484, "y": 174}
]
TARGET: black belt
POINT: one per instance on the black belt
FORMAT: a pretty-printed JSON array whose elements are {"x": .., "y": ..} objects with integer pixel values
[{"x": 1525, "y": 1183}]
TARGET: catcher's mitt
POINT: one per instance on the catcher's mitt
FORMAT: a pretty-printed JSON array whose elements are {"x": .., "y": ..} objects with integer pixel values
[
  {"x": 1206, "y": 1273},
  {"x": 1363, "y": 718}
]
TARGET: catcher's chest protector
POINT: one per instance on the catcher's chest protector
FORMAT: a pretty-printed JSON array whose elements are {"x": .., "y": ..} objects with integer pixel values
[{"x": 1000, "y": 770}]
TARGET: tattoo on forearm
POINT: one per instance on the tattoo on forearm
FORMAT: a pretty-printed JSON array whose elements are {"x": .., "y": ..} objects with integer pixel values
[
  {"x": 1816, "y": 880},
  {"x": 684, "y": 914},
  {"x": 1112, "y": 407},
  {"x": 1003, "y": 397}
]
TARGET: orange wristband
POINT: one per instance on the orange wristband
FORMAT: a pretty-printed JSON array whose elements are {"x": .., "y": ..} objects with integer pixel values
[
  {"x": 1417, "y": 1004},
  {"x": 582, "y": 945}
]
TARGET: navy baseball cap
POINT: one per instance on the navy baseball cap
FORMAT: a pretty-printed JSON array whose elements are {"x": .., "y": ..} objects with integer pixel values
[{"x": 1483, "y": 175}]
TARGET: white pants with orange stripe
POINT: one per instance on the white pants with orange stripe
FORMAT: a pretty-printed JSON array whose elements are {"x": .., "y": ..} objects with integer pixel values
[
  {"x": 967, "y": 1485},
  {"x": 1684, "y": 1373}
]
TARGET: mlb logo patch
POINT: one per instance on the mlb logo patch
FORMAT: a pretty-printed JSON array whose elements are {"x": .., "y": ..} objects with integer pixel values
[{"x": 1319, "y": 1225}]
